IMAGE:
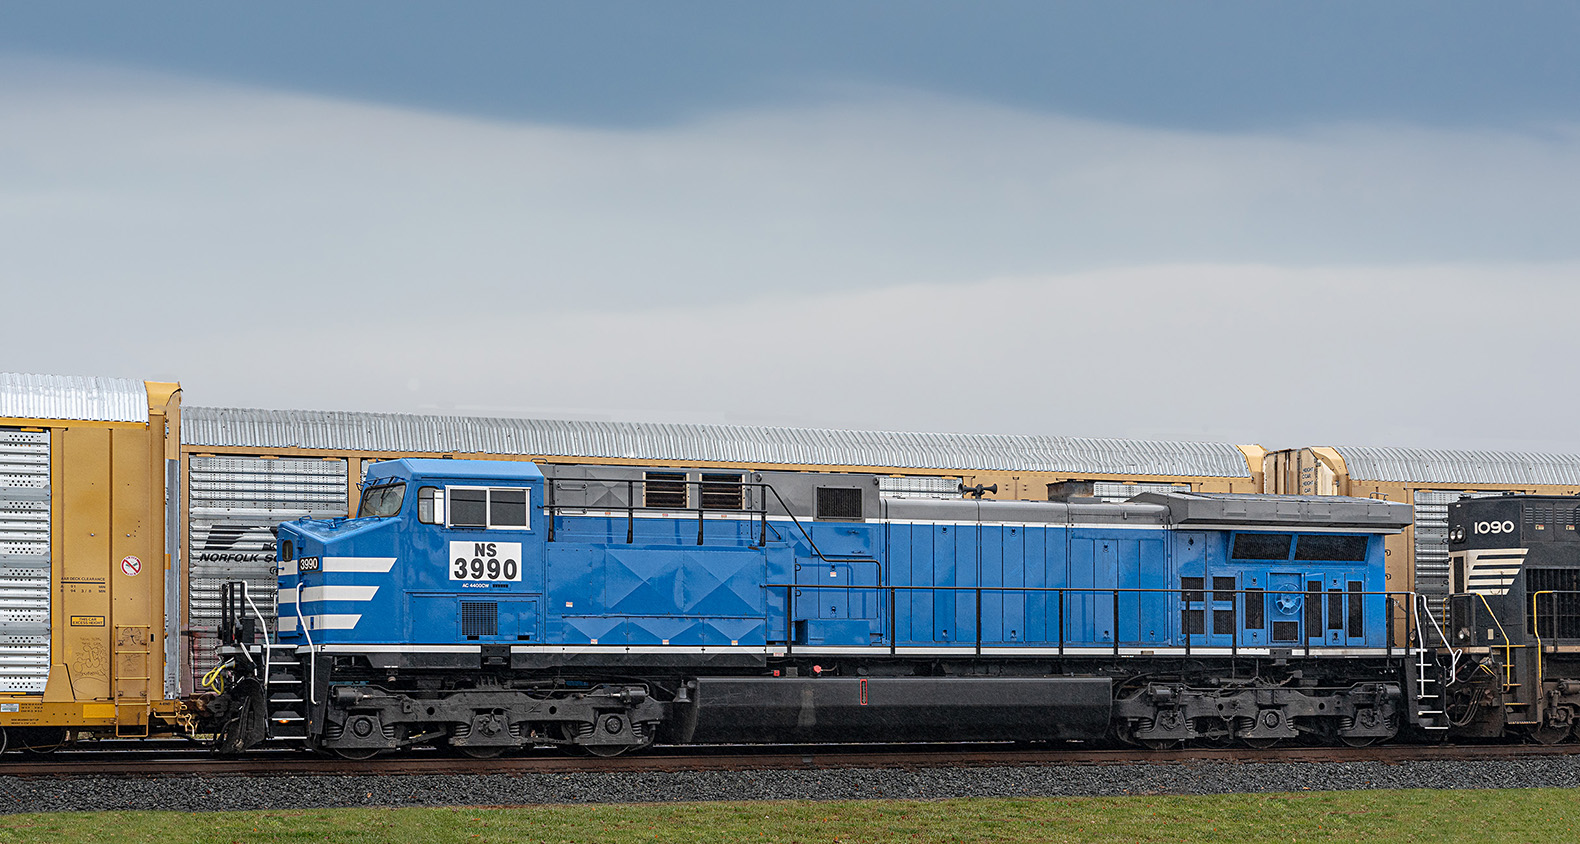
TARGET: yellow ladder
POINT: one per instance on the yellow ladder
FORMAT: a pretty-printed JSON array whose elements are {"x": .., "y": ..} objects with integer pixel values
[{"x": 137, "y": 708}]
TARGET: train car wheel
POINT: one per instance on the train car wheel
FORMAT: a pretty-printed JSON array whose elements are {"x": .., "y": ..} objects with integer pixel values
[
  {"x": 1358, "y": 741},
  {"x": 37, "y": 740},
  {"x": 1160, "y": 743},
  {"x": 1550, "y": 733},
  {"x": 487, "y": 752},
  {"x": 1261, "y": 743}
]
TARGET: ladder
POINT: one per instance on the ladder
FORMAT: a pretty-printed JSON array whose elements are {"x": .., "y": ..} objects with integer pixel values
[
  {"x": 1515, "y": 710},
  {"x": 283, "y": 692},
  {"x": 1429, "y": 703},
  {"x": 1431, "y": 707},
  {"x": 133, "y": 723}
]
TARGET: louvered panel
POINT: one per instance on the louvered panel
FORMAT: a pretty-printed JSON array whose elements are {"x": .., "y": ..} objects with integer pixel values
[
  {"x": 24, "y": 560},
  {"x": 234, "y": 506}
]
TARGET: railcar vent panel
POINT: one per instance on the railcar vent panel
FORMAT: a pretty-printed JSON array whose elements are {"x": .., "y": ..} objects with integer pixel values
[{"x": 24, "y": 560}]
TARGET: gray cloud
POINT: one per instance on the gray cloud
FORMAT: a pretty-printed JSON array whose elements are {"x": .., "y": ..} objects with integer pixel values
[{"x": 883, "y": 260}]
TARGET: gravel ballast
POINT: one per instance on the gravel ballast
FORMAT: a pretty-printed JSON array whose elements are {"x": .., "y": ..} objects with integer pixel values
[{"x": 20, "y": 794}]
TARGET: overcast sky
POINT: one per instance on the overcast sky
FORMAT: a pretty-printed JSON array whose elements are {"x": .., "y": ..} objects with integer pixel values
[{"x": 1288, "y": 224}]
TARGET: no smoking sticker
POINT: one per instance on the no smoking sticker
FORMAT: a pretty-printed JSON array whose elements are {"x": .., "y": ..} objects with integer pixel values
[{"x": 131, "y": 565}]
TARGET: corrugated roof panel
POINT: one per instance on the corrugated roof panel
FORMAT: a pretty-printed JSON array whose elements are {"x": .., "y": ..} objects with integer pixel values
[
  {"x": 346, "y": 431},
  {"x": 72, "y": 397},
  {"x": 1450, "y": 466}
]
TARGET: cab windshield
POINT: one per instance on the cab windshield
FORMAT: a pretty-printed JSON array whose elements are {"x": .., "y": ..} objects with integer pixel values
[{"x": 382, "y": 500}]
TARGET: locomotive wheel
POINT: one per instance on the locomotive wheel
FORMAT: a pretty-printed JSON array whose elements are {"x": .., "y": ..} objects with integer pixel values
[
  {"x": 606, "y": 751},
  {"x": 356, "y": 754},
  {"x": 1160, "y": 743},
  {"x": 1358, "y": 741},
  {"x": 1261, "y": 743},
  {"x": 1549, "y": 733},
  {"x": 488, "y": 752}
]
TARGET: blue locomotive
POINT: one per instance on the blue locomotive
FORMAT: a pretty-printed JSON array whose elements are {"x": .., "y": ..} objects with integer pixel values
[{"x": 482, "y": 606}]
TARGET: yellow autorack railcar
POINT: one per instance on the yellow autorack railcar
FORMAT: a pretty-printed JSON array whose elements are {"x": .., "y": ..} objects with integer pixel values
[{"x": 85, "y": 465}]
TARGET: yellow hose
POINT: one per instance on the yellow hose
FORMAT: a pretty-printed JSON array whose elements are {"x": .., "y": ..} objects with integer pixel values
[{"x": 213, "y": 677}]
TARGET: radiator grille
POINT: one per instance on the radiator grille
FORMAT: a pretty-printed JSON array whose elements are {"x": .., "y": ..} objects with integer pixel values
[
  {"x": 479, "y": 618},
  {"x": 1557, "y": 615}
]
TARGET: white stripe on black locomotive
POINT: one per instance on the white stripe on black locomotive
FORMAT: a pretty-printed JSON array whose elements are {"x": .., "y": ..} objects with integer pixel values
[{"x": 1492, "y": 572}]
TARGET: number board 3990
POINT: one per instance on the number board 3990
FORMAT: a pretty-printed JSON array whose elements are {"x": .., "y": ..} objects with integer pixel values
[{"x": 495, "y": 561}]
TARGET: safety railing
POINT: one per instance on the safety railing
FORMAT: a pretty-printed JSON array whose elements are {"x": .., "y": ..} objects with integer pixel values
[
  {"x": 1397, "y": 607},
  {"x": 1556, "y": 620},
  {"x": 754, "y": 506}
]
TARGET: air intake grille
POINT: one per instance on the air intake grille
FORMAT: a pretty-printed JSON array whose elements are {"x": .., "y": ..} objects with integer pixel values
[
  {"x": 479, "y": 618},
  {"x": 1558, "y": 612}
]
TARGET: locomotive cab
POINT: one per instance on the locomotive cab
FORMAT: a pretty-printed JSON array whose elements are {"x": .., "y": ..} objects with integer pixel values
[{"x": 441, "y": 552}]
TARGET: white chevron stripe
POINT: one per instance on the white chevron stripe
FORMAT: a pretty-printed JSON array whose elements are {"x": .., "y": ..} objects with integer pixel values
[
  {"x": 333, "y": 621},
  {"x": 338, "y": 593},
  {"x": 364, "y": 565}
]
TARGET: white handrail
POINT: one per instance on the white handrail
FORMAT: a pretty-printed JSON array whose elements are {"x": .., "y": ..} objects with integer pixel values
[
  {"x": 1453, "y": 653},
  {"x": 267, "y": 643},
  {"x": 312, "y": 650}
]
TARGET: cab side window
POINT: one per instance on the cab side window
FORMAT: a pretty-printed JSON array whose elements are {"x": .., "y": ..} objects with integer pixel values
[
  {"x": 482, "y": 508},
  {"x": 507, "y": 508},
  {"x": 430, "y": 505},
  {"x": 469, "y": 508}
]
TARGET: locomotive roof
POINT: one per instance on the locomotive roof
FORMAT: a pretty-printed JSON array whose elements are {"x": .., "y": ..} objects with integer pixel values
[
  {"x": 1293, "y": 512},
  {"x": 481, "y": 470}
]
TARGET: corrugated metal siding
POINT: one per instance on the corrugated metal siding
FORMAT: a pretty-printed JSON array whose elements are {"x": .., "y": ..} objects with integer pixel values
[
  {"x": 24, "y": 560},
  {"x": 1431, "y": 538},
  {"x": 72, "y": 397},
  {"x": 345, "y": 431},
  {"x": 235, "y": 504},
  {"x": 1448, "y": 466}
]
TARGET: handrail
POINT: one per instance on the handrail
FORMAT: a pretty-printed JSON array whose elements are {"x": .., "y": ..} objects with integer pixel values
[
  {"x": 267, "y": 642},
  {"x": 312, "y": 650},
  {"x": 1536, "y": 622},
  {"x": 1417, "y": 603},
  {"x": 1508, "y": 646},
  {"x": 552, "y": 509}
]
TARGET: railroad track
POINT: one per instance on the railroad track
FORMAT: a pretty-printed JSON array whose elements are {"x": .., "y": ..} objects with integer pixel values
[{"x": 165, "y": 763}]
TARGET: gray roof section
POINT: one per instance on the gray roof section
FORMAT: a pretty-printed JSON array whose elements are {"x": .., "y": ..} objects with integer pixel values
[
  {"x": 72, "y": 397},
  {"x": 348, "y": 431},
  {"x": 1465, "y": 468},
  {"x": 1300, "y": 512}
]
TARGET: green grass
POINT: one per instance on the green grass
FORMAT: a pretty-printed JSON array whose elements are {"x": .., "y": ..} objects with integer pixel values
[{"x": 1526, "y": 815}]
